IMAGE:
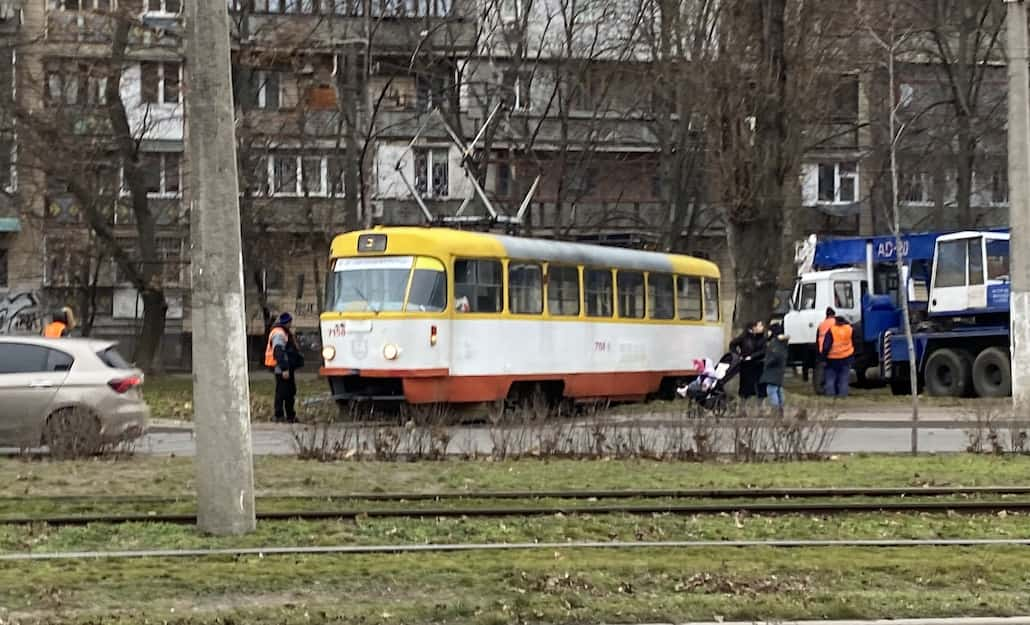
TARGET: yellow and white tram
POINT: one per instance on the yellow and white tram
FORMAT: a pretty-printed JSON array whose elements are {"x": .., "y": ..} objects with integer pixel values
[{"x": 434, "y": 315}]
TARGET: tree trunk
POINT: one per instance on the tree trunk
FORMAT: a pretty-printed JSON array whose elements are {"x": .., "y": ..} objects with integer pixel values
[
  {"x": 148, "y": 347},
  {"x": 753, "y": 272},
  {"x": 964, "y": 172},
  {"x": 756, "y": 228}
]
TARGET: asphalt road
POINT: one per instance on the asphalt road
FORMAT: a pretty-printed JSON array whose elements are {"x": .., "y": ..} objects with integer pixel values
[{"x": 871, "y": 429}]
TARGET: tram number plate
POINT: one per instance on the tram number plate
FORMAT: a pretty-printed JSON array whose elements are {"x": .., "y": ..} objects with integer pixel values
[{"x": 359, "y": 326}]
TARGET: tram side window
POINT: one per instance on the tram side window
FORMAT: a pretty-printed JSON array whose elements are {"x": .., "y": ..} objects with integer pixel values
[
  {"x": 525, "y": 288},
  {"x": 477, "y": 286},
  {"x": 711, "y": 300},
  {"x": 631, "y": 294},
  {"x": 563, "y": 290},
  {"x": 688, "y": 292},
  {"x": 598, "y": 291},
  {"x": 661, "y": 296}
]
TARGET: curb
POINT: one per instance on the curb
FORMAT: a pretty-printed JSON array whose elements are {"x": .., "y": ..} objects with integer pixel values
[{"x": 1015, "y": 620}]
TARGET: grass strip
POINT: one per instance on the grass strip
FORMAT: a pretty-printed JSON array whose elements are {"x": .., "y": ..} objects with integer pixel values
[
  {"x": 150, "y": 476},
  {"x": 537, "y": 586}
]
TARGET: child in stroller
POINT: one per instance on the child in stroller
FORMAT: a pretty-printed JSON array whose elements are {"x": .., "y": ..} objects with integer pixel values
[{"x": 709, "y": 388}]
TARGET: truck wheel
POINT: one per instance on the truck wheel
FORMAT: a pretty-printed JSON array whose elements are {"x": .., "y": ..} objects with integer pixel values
[
  {"x": 947, "y": 373},
  {"x": 901, "y": 387},
  {"x": 992, "y": 375}
]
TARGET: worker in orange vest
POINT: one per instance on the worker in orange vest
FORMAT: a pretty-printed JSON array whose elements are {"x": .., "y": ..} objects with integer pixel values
[
  {"x": 819, "y": 375},
  {"x": 838, "y": 349},
  {"x": 61, "y": 324},
  {"x": 283, "y": 357}
]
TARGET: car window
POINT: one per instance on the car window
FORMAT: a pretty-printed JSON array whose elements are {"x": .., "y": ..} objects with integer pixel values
[
  {"x": 58, "y": 360},
  {"x": 22, "y": 358},
  {"x": 113, "y": 359}
]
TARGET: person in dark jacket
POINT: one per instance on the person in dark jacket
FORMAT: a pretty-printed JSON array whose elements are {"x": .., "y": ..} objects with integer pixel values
[
  {"x": 750, "y": 348},
  {"x": 282, "y": 355},
  {"x": 775, "y": 365}
]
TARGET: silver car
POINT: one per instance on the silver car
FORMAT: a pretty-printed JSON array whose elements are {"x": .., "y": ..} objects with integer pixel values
[{"x": 74, "y": 396}]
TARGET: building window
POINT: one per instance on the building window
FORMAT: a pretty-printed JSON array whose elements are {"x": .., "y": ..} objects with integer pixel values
[
  {"x": 518, "y": 86},
  {"x": 164, "y": 6},
  {"x": 432, "y": 175},
  {"x": 1000, "y": 187},
  {"x": 290, "y": 174},
  {"x": 526, "y": 288},
  {"x": 76, "y": 83},
  {"x": 838, "y": 183},
  {"x": 161, "y": 174},
  {"x": 8, "y": 156},
  {"x": 159, "y": 82},
  {"x": 3, "y": 268},
  {"x": 410, "y": 8},
  {"x": 81, "y": 5},
  {"x": 582, "y": 180},
  {"x": 503, "y": 182},
  {"x": 268, "y": 89},
  {"x": 334, "y": 170},
  {"x": 563, "y": 290},
  {"x": 845, "y": 99},
  {"x": 917, "y": 188},
  {"x": 284, "y": 175},
  {"x": 431, "y": 91}
]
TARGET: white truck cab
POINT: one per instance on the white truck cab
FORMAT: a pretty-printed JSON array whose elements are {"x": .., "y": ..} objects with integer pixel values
[{"x": 814, "y": 292}]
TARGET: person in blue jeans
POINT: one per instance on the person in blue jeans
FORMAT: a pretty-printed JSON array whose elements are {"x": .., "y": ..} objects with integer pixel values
[
  {"x": 774, "y": 367},
  {"x": 838, "y": 350}
]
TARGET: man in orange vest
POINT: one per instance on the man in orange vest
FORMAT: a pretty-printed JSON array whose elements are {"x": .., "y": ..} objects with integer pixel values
[
  {"x": 282, "y": 356},
  {"x": 819, "y": 374},
  {"x": 60, "y": 325},
  {"x": 838, "y": 350}
]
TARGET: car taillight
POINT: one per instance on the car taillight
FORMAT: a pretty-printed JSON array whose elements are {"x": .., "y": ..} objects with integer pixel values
[{"x": 123, "y": 385}]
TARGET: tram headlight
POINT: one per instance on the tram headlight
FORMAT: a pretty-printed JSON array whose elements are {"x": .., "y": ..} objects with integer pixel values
[
  {"x": 391, "y": 351},
  {"x": 328, "y": 353}
]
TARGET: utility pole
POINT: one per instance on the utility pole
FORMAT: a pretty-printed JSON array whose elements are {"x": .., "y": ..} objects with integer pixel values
[
  {"x": 1019, "y": 204},
  {"x": 221, "y": 394}
]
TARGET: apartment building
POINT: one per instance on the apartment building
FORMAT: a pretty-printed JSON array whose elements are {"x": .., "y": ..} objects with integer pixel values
[{"x": 356, "y": 112}]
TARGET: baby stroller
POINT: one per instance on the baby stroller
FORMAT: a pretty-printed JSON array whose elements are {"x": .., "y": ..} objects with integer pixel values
[{"x": 709, "y": 389}]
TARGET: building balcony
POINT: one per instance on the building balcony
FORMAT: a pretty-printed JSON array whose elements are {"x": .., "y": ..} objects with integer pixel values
[{"x": 319, "y": 32}]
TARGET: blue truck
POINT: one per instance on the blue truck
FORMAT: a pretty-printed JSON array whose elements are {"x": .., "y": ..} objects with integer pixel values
[{"x": 956, "y": 287}]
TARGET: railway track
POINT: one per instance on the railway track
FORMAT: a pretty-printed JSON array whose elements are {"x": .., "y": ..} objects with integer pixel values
[
  {"x": 759, "y": 508},
  {"x": 690, "y": 493},
  {"x": 484, "y": 547}
]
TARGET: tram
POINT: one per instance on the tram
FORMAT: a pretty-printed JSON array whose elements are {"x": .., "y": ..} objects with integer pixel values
[{"x": 436, "y": 315}]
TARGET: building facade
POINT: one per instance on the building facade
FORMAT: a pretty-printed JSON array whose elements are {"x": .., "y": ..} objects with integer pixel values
[{"x": 360, "y": 112}]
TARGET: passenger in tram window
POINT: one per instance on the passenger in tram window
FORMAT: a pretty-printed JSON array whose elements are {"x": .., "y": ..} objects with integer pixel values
[{"x": 461, "y": 304}]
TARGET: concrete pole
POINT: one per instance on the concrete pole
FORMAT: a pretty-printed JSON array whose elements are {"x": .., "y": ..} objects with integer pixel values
[
  {"x": 221, "y": 395},
  {"x": 1019, "y": 204}
]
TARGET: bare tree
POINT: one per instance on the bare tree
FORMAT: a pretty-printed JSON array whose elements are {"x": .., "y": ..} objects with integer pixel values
[
  {"x": 90, "y": 144},
  {"x": 774, "y": 71}
]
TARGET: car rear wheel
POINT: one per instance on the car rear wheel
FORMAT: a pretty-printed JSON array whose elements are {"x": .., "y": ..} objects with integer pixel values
[{"x": 72, "y": 433}]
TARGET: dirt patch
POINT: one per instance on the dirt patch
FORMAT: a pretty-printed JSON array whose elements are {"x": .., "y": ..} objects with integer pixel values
[{"x": 716, "y": 583}]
